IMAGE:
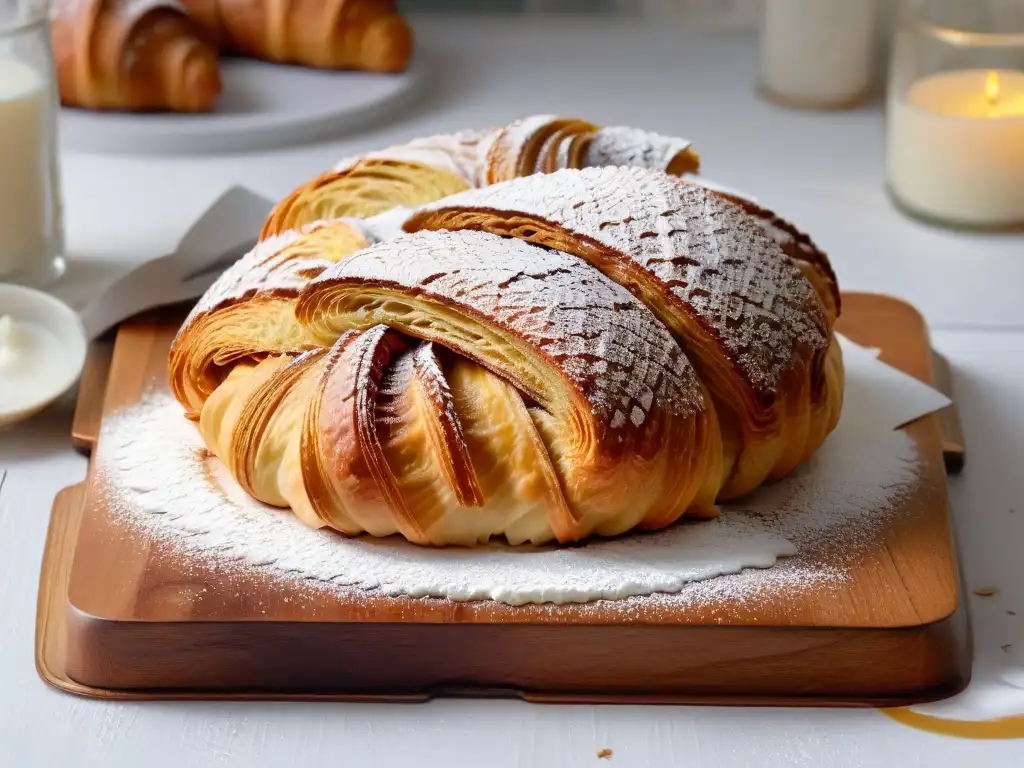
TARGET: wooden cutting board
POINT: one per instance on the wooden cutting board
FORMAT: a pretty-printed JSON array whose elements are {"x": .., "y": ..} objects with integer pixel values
[{"x": 119, "y": 614}]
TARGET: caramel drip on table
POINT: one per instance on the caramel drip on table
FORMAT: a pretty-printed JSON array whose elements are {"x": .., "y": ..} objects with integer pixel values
[{"x": 1000, "y": 728}]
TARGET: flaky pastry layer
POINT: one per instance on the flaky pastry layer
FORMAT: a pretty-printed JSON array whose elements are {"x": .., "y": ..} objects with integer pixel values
[{"x": 535, "y": 332}]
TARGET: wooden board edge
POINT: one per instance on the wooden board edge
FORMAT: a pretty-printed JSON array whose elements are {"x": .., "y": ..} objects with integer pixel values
[
  {"x": 92, "y": 388},
  {"x": 51, "y": 654},
  {"x": 51, "y": 625},
  {"x": 937, "y": 664},
  {"x": 49, "y": 672},
  {"x": 51, "y": 599}
]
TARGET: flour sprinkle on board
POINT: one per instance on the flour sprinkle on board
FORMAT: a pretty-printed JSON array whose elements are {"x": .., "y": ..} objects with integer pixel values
[{"x": 801, "y": 533}]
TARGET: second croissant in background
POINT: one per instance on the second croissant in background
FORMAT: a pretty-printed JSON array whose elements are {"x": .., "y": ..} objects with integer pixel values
[{"x": 153, "y": 55}]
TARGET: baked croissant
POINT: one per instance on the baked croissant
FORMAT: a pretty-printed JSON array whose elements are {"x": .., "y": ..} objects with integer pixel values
[
  {"x": 428, "y": 169},
  {"x": 148, "y": 55},
  {"x": 425, "y": 170},
  {"x": 132, "y": 55},
  {"x": 751, "y": 324},
  {"x": 329, "y": 34},
  {"x": 555, "y": 409},
  {"x": 528, "y": 364},
  {"x": 604, "y": 434}
]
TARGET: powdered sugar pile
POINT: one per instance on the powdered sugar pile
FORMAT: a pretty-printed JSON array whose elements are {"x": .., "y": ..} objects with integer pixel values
[{"x": 162, "y": 480}]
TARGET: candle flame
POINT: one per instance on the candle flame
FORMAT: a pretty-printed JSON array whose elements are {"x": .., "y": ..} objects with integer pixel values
[{"x": 992, "y": 88}]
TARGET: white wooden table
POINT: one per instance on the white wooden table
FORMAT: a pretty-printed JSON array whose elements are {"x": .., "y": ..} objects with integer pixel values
[{"x": 825, "y": 171}]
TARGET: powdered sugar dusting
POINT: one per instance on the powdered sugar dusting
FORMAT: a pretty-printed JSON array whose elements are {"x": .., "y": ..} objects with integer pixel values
[
  {"x": 506, "y": 152},
  {"x": 621, "y": 146},
  {"x": 435, "y": 385},
  {"x": 463, "y": 153},
  {"x": 271, "y": 266},
  {"x": 66, "y": 9},
  {"x": 545, "y": 149},
  {"x": 382, "y": 226},
  {"x": 132, "y": 9},
  {"x": 562, "y": 155},
  {"x": 482, "y": 157},
  {"x": 707, "y": 251},
  {"x": 606, "y": 343},
  {"x": 818, "y": 520}
]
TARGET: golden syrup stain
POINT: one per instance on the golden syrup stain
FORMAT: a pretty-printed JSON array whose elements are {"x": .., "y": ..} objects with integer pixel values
[{"x": 1001, "y": 728}]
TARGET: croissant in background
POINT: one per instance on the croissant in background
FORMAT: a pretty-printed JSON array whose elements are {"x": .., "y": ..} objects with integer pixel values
[
  {"x": 148, "y": 55},
  {"x": 130, "y": 55},
  {"x": 540, "y": 358},
  {"x": 329, "y": 34}
]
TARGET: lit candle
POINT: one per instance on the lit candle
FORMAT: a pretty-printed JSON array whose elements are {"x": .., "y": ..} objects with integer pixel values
[{"x": 956, "y": 147}]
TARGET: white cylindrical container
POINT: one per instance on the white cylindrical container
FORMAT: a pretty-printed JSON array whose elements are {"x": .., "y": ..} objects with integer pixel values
[
  {"x": 956, "y": 154},
  {"x": 817, "y": 54},
  {"x": 955, "y": 133},
  {"x": 31, "y": 228}
]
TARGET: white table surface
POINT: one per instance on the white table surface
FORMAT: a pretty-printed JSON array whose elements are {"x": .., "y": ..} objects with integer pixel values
[{"x": 823, "y": 170}]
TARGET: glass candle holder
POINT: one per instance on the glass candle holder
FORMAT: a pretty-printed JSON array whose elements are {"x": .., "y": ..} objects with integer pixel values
[
  {"x": 31, "y": 223},
  {"x": 955, "y": 123}
]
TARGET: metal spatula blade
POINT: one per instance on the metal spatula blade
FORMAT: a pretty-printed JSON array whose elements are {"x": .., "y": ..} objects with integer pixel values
[{"x": 222, "y": 235}]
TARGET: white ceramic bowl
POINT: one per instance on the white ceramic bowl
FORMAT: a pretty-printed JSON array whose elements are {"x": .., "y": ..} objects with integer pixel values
[{"x": 29, "y": 305}]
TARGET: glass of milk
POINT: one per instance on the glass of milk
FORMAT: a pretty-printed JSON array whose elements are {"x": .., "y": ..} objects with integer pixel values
[{"x": 31, "y": 224}]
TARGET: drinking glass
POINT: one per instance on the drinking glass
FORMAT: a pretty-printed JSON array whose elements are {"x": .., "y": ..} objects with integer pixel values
[{"x": 31, "y": 223}]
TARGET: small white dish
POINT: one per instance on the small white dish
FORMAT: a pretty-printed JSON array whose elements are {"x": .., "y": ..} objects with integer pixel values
[{"x": 27, "y": 305}]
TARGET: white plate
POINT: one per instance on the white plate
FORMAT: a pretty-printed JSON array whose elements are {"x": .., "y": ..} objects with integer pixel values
[
  {"x": 30, "y": 305},
  {"x": 262, "y": 106}
]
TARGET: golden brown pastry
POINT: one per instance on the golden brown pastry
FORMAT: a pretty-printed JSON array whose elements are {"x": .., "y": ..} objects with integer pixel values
[
  {"x": 471, "y": 387},
  {"x": 137, "y": 55},
  {"x": 365, "y": 189},
  {"x": 248, "y": 312},
  {"x": 747, "y": 318},
  {"x": 809, "y": 259},
  {"x": 329, "y": 34},
  {"x": 608, "y": 400},
  {"x": 424, "y": 170},
  {"x": 148, "y": 55},
  {"x": 581, "y": 353}
]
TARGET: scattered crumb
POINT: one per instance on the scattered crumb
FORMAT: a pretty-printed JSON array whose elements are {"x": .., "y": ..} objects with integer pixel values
[
  {"x": 604, "y": 754},
  {"x": 986, "y": 591},
  {"x": 1012, "y": 511},
  {"x": 1006, "y": 648}
]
